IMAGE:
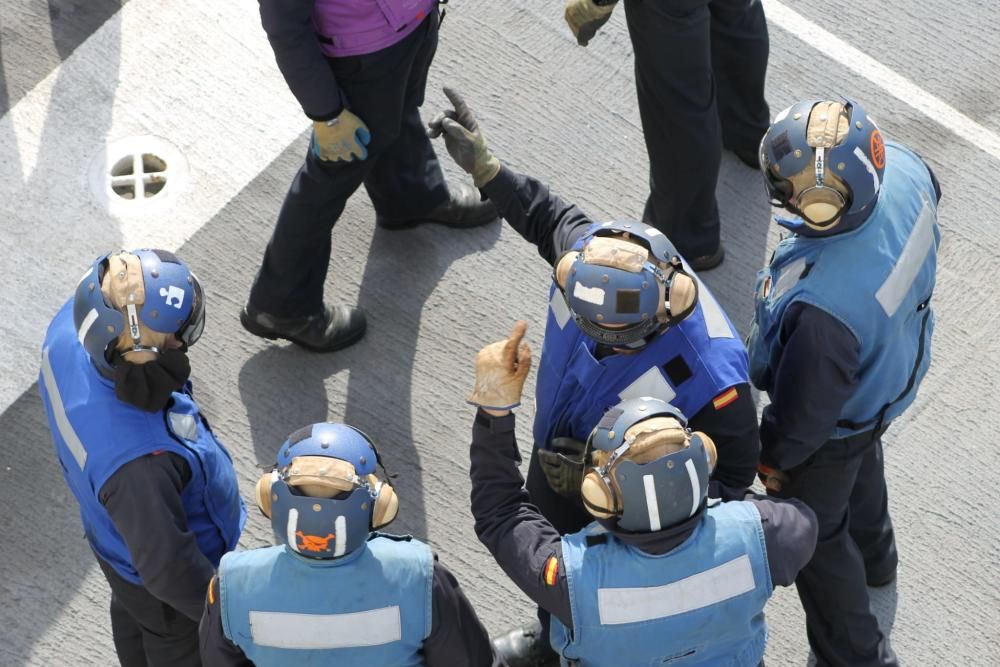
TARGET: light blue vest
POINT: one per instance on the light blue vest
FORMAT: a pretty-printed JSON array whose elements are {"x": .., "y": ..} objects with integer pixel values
[
  {"x": 95, "y": 434},
  {"x": 371, "y": 607},
  {"x": 700, "y": 604},
  {"x": 877, "y": 280},
  {"x": 687, "y": 365}
]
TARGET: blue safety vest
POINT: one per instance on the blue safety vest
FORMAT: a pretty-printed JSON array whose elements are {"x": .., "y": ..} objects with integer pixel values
[
  {"x": 699, "y": 604},
  {"x": 877, "y": 280},
  {"x": 95, "y": 434},
  {"x": 687, "y": 365},
  {"x": 371, "y": 607}
]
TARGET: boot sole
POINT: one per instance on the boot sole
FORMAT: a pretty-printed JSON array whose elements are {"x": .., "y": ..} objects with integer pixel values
[{"x": 270, "y": 334}]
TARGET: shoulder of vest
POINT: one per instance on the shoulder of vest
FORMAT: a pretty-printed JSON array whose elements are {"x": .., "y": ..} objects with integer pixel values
[{"x": 735, "y": 509}]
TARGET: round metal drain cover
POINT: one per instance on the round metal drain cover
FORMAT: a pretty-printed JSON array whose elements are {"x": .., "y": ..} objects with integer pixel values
[{"x": 138, "y": 175}]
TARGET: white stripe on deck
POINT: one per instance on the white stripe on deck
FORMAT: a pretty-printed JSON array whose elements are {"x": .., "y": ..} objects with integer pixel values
[{"x": 900, "y": 87}]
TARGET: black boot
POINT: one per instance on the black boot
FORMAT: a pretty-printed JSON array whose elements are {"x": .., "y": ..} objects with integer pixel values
[
  {"x": 707, "y": 262},
  {"x": 526, "y": 647},
  {"x": 464, "y": 209},
  {"x": 333, "y": 328}
]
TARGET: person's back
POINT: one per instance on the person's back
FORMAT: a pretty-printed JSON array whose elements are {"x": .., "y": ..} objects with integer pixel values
[
  {"x": 702, "y": 602},
  {"x": 274, "y": 599},
  {"x": 664, "y": 571},
  {"x": 334, "y": 591},
  {"x": 159, "y": 498}
]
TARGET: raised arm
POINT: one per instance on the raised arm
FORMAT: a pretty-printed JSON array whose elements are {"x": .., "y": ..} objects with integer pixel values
[{"x": 545, "y": 220}]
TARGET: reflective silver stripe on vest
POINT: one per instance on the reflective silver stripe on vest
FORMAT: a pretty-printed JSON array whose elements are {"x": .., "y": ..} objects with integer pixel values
[
  {"x": 184, "y": 426},
  {"x": 652, "y": 384},
  {"x": 66, "y": 431},
  {"x": 715, "y": 319},
  {"x": 789, "y": 276},
  {"x": 634, "y": 605},
  {"x": 325, "y": 631},
  {"x": 897, "y": 285},
  {"x": 559, "y": 308}
]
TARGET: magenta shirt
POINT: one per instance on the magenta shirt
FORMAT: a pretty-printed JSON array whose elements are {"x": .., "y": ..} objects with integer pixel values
[{"x": 357, "y": 27}]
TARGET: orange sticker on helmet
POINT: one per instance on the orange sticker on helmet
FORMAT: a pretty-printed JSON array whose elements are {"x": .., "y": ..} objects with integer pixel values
[
  {"x": 313, "y": 542},
  {"x": 878, "y": 149}
]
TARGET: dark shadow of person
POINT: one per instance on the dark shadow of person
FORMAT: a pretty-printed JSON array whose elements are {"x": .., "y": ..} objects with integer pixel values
[
  {"x": 46, "y": 558},
  {"x": 746, "y": 228},
  {"x": 403, "y": 269},
  {"x": 285, "y": 387},
  {"x": 45, "y": 555},
  {"x": 884, "y": 601}
]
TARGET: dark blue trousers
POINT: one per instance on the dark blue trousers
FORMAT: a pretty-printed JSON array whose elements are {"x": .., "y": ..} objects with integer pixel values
[
  {"x": 401, "y": 174},
  {"x": 699, "y": 73},
  {"x": 844, "y": 483}
]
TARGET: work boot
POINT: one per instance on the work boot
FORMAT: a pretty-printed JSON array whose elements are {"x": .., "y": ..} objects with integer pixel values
[
  {"x": 526, "y": 647},
  {"x": 333, "y": 328},
  {"x": 463, "y": 209},
  {"x": 707, "y": 262}
]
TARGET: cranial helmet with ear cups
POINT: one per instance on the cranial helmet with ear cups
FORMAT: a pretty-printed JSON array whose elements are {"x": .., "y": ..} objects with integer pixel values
[
  {"x": 823, "y": 162},
  {"x": 638, "y": 286},
  {"x": 648, "y": 479},
  {"x": 168, "y": 299},
  {"x": 323, "y": 497}
]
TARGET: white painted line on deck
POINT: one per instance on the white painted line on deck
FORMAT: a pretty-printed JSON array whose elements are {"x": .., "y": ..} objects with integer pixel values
[
  {"x": 898, "y": 86},
  {"x": 201, "y": 75}
]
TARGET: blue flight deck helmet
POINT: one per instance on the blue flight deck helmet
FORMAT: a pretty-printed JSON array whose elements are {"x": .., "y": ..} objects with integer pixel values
[
  {"x": 823, "y": 162},
  {"x": 628, "y": 284},
  {"x": 649, "y": 479},
  {"x": 172, "y": 302},
  {"x": 323, "y": 497}
]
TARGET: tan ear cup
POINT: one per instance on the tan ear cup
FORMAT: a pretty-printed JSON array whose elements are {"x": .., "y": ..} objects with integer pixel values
[
  {"x": 598, "y": 498},
  {"x": 263, "y": 493},
  {"x": 713, "y": 454},
  {"x": 386, "y": 505},
  {"x": 683, "y": 293},
  {"x": 563, "y": 267}
]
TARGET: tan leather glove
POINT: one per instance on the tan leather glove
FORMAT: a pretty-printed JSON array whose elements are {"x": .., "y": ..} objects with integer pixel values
[
  {"x": 501, "y": 369},
  {"x": 464, "y": 140},
  {"x": 585, "y": 18},
  {"x": 342, "y": 139}
]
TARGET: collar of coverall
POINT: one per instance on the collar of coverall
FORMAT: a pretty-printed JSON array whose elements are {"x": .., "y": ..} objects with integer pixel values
[{"x": 661, "y": 541}]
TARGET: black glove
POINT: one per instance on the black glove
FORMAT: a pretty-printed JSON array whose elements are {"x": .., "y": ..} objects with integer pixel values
[
  {"x": 563, "y": 465},
  {"x": 148, "y": 386}
]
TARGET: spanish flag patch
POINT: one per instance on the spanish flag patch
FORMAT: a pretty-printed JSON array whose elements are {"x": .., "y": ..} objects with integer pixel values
[
  {"x": 725, "y": 398},
  {"x": 551, "y": 571}
]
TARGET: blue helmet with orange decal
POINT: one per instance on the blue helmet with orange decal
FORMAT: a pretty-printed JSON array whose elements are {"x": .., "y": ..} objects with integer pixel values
[
  {"x": 323, "y": 497},
  {"x": 823, "y": 162}
]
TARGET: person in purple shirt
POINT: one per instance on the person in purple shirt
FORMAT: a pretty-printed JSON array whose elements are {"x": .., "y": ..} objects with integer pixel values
[{"x": 359, "y": 70}]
